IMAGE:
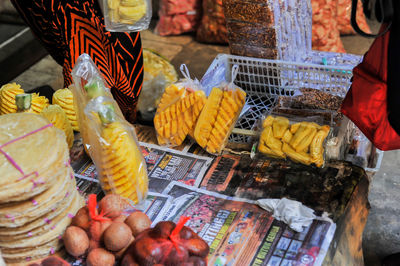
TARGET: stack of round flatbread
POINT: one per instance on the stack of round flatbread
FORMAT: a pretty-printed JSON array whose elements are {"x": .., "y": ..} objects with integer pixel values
[{"x": 36, "y": 205}]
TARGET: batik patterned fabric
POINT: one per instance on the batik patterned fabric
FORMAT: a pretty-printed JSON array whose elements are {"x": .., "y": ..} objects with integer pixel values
[{"x": 69, "y": 28}]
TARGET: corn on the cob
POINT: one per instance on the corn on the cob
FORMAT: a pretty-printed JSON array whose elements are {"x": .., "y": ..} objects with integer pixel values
[
  {"x": 7, "y": 98},
  {"x": 65, "y": 99},
  {"x": 215, "y": 122},
  {"x": 122, "y": 170},
  {"x": 56, "y": 115},
  {"x": 175, "y": 122}
]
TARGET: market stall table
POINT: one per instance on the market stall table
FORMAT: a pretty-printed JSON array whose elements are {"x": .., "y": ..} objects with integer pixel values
[{"x": 349, "y": 212}]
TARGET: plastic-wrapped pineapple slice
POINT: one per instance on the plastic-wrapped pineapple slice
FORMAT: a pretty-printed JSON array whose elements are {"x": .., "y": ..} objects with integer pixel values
[
  {"x": 65, "y": 99},
  {"x": 219, "y": 116},
  {"x": 178, "y": 110},
  {"x": 7, "y": 97},
  {"x": 175, "y": 122},
  {"x": 117, "y": 155},
  {"x": 111, "y": 140},
  {"x": 39, "y": 103},
  {"x": 56, "y": 115}
]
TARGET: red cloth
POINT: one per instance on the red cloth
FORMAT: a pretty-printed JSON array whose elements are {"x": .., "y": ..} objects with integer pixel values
[{"x": 366, "y": 102}]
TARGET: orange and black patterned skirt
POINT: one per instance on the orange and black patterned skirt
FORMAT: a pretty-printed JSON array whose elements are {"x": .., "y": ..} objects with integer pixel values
[{"x": 69, "y": 28}]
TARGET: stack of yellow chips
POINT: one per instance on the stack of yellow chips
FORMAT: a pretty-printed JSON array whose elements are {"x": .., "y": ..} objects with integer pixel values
[
  {"x": 7, "y": 98},
  {"x": 65, "y": 100},
  {"x": 56, "y": 115}
]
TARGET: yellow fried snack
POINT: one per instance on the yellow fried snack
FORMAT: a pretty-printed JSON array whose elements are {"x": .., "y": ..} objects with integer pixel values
[
  {"x": 316, "y": 148},
  {"x": 131, "y": 14},
  {"x": 122, "y": 170},
  {"x": 287, "y": 136},
  {"x": 300, "y": 157},
  {"x": 65, "y": 99},
  {"x": 39, "y": 103},
  {"x": 268, "y": 121},
  {"x": 301, "y": 142},
  {"x": 7, "y": 98},
  {"x": 279, "y": 126},
  {"x": 216, "y": 120},
  {"x": 174, "y": 122},
  {"x": 56, "y": 115}
]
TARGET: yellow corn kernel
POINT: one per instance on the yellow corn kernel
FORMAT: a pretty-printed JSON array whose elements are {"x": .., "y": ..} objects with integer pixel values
[
  {"x": 287, "y": 136},
  {"x": 294, "y": 128}
]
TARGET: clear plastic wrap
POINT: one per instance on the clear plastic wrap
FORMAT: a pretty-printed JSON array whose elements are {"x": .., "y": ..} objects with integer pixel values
[
  {"x": 178, "y": 110},
  {"x": 219, "y": 115},
  {"x": 127, "y": 15},
  {"x": 112, "y": 140},
  {"x": 344, "y": 15},
  {"x": 301, "y": 139},
  {"x": 178, "y": 16},
  {"x": 273, "y": 29},
  {"x": 212, "y": 28}
]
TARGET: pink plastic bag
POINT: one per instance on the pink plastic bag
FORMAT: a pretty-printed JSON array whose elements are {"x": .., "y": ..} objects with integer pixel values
[{"x": 178, "y": 16}]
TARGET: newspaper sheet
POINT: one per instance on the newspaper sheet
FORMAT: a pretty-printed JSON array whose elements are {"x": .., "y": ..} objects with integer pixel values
[{"x": 240, "y": 233}]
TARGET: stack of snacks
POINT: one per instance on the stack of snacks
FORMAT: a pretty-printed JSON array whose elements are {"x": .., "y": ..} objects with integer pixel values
[
  {"x": 302, "y": 142},
  {"x": 273, "y": 29},
  {"x": 38, "y": 195},
  {"x": 65, "y": 100}
]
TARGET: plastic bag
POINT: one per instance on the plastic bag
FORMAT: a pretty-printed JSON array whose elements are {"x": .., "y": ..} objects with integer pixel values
[
  {"x": 178, "y": 110},
  {"x": 219, "y": 115},
  {"x": 344, "y": 14},
  {"x": 127, "y": 15},
  {"x": 300, "y": 139},
  {"x": 113, "y": 144},
  {"x": 178, "y": 16},
  {"x": 325, "y": 32},
  {"x": 212, "y": 28}
]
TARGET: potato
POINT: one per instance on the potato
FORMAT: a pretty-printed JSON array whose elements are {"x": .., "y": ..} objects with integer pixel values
[
  {"x": 117, "y": 236},
  {"x": 111, "y": 205},
  {"x": 100, "y": 257},
  {"x": 97, "y": 229},
  {"x": 76, "y": 241},
  {"x": 120, "y": 253},
  {"x": 54, "y": 261},
  {"x": 197, "y": 247},
  {"x": 138, "y": 222},
  {"x": 120, "y": 218},
  {"x": 82, "y": 219},
  {"x": 128, "y": 260}
]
